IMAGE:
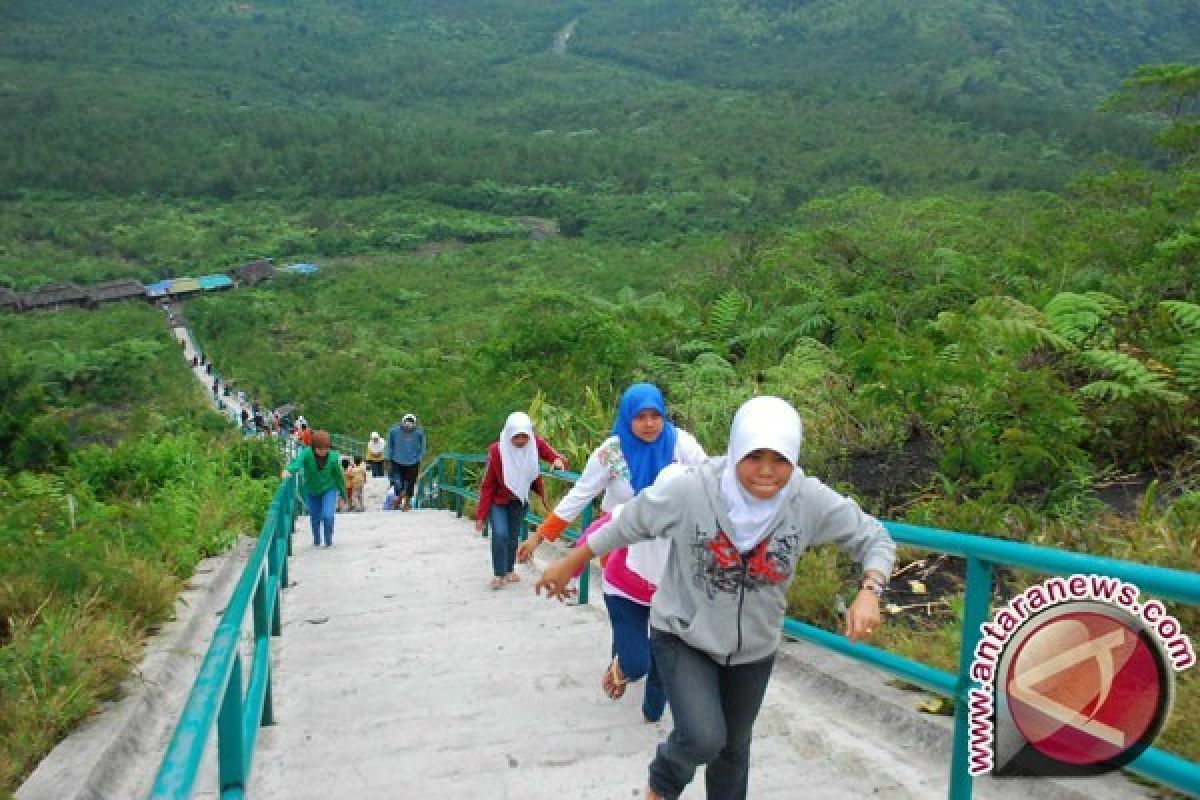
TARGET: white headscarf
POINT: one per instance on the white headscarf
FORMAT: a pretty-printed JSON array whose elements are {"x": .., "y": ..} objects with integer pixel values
[
  {"x": 519, "y": 464},
  {"x": 762, "y": 423},
  {"x": 376, "y": 445}
]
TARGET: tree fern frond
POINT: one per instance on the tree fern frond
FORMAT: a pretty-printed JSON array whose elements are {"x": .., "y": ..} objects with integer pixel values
[
  {"x": 1187, "y": 367},
  {"x": 1112, "y": 305},
  {"x": 1106, "y": 391},
  {"x": 1186, "y": 315},
  {"x": 1130, "y": 373},
  {"x": 1029, "y": 330},
  {"x": 709, "y": 368},
  {"x": 693, "y": 347},
  {"x": 723, "y": 316},
  {"x": 1003, "y": 306},
  {"x": 1076, "y": 317}
]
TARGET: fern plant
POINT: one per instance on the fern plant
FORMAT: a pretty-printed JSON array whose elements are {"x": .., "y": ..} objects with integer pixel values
[
  {"x": 1185, "y": 315},
  {"x": 1081, "y": 318},
  {"x": 724, "y": 314},
  {"x": 1130, "y": 379}
]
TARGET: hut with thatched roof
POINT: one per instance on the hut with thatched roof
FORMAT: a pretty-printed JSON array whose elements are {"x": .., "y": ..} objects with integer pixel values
[
  {"x": 54, "y": 296},
  {"x": 115, "y": 291},
  {"x": 255, "y": 272},
  {"x": 9, "y": 300}
]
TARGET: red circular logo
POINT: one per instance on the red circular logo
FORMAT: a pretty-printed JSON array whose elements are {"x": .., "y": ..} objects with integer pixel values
[{"x": 1086, "y": 689}]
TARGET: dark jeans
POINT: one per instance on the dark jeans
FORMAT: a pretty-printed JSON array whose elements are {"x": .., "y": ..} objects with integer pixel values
[
  {"x": 404, "y": 478},
  {"x": 714, "y": 708},
  {"x": 505, "y": 523},
  {"x": 321, "y": 514},
  {"x": 631, "y": 645}
]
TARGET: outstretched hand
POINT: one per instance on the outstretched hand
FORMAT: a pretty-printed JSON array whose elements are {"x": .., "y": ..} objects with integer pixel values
[
  {"x": 526, "y": 548},
  {"x": 555, "y": 580}
]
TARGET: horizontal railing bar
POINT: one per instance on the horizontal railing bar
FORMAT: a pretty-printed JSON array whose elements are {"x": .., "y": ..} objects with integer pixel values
[
  {"x": 187, "y": 745},
  {"x": 1164, "y": 582},
  {"x": 913, "y": 671}
]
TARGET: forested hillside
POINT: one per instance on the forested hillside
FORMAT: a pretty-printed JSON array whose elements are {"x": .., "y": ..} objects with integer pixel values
[{"x": 962, "y": 236}]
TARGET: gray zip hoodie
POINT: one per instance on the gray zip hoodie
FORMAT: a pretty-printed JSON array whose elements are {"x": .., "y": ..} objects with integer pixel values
[{"x": 723, "y": 603}]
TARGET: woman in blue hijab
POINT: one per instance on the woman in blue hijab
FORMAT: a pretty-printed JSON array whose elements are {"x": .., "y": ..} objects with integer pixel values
[
  {"x": 647, "y": 437},
  {"x": 642, "y": 444}
]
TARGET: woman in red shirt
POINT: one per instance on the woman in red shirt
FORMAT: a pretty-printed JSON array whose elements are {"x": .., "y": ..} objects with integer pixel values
[{"x": 512, "y": 471}]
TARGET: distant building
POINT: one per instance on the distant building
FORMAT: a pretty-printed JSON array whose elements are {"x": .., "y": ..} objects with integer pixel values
[
  {"x": 158, "y": 289},
  {"x": 54, "y": 296},
  {"x": 9, "y": 300},
  {"x": 184, "y": 286},
  {"x": 255, "y": 272},
  {"x": 213, "y": 283},
  {"x": 113, "y": 291}
]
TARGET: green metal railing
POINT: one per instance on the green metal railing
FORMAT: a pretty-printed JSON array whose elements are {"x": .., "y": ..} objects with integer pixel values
[
  {"x": 221, "y": 691},
  {"x": 982, "y": 554}
]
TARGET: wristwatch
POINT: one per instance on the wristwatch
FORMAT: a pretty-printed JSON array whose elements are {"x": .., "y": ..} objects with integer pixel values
[{"x": 873, "y": 585}]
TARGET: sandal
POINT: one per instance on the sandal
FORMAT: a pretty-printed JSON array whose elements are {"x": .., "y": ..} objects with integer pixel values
[
  {"x": 512, "y": 577},
  {"x": 496, "y": 583},
  {"x": 614, "y": 682}
]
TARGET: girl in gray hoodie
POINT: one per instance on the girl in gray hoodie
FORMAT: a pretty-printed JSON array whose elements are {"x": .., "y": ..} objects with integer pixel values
[{"x": 737, "y": 527}]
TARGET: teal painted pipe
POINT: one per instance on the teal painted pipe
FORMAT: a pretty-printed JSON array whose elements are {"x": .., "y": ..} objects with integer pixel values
[
  {"x": 1171, "y": 584},
  {"x": 216, "y": 694},
  {"x": 1169, "y": 769},
  {"x": 922, "y": 675},
  {"x": 177, "y": 775}
]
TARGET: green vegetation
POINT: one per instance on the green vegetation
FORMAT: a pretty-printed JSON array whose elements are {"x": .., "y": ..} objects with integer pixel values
[
  {"x": 117, "y": 482},
  {"x": 980, "y": 290}
]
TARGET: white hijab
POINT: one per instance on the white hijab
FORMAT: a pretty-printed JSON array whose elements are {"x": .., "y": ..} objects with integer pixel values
[
  {"x": 519, "y": 464},
  {"x": 376, "y": 445},
  {"x": 762, "y": 423}
]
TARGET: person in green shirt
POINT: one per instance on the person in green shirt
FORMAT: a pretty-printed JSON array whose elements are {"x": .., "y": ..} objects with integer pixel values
[{"x": 321, "y": 482}]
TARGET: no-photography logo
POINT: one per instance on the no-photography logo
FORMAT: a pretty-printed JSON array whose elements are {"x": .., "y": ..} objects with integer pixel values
[{"x": 1075, "y": 676}]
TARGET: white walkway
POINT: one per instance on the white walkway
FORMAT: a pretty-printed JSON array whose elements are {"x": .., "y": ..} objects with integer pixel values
[{"x": 400, "y": 675}]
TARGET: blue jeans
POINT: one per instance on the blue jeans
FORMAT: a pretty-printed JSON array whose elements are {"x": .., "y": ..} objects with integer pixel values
[
  {"x": 505, "y": 523},
  {"x": 321, "y": 510},
  {"x": 714, "y": 708},
  {"x": 631, "y": 645}
]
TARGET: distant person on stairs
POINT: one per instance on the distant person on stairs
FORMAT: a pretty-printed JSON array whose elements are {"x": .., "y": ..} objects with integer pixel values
[
  {"x": 356, "y": 481},
  {"x": 376, "y": 454},
  {"x": 321, "y": 483},
  {"x": 405, "y": 449},
  {"x": 512, "y": 470}
]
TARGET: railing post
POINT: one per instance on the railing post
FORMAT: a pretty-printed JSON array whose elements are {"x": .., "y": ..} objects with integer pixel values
[
  {"x": 976, "y": 604},
  {"x": 585, "y": 578},
  {"x": 458, "y": 484},
  {"x": 231, "y": 754},
  {"x": 262, "y": 630}
]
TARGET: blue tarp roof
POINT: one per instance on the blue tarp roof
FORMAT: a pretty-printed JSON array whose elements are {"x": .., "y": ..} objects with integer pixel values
[
  {"x": 302, "y": 268},
  {"x": 159, "y": 289},
  {"x": 216, "y": 281}
]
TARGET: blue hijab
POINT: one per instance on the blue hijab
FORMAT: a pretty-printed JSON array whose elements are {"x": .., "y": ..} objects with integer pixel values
[{"x": 645, "y": 459}]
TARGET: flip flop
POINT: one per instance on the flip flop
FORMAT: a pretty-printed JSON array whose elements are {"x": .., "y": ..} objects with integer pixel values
[{"x": 613, "y": 683}]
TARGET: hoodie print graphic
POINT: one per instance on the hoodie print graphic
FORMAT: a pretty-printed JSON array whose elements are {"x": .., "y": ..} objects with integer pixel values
[{"x": 720, "y": 569}]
